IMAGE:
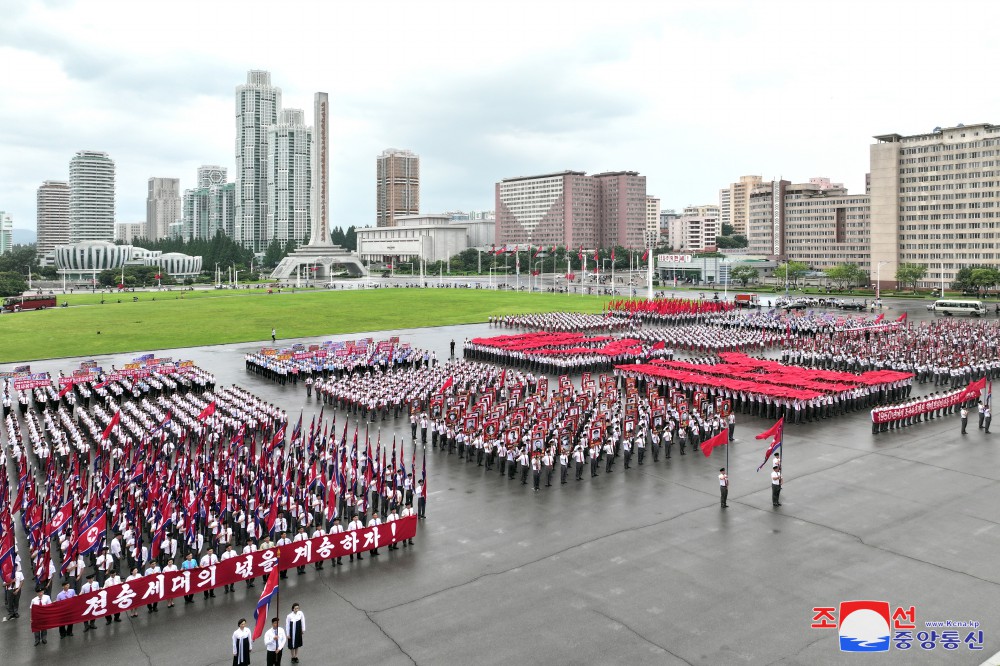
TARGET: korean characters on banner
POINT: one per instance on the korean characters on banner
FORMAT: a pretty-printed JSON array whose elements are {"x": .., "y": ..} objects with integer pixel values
[{"x": 163, "y": 586}]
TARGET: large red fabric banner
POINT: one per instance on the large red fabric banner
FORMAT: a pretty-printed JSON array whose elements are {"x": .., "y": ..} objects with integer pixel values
[
  {"x": 894, "y": 413},
  {"x": 160, "y": 587}
]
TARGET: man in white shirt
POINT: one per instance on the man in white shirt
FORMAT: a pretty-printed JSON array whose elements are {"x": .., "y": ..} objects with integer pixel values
[
  {"x": 724, "y": 486},
  {"x": 88, "y": 587},
  {"x": 209, "y": 559},
  {"x": 374, "y": 522},
  {"x": 41, "y": 599},
  {"x": 355, "y": 524},
  {"x": 275, "y": 640},
  {"x": 227, "y": 554},
  {"x": 283, "y": 540},
  {"x": 776, "y": 485},
  {"x": 336, "y": 528}
]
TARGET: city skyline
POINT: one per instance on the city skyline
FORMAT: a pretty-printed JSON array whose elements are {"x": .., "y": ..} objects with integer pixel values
[{"x": 608, "y": 98}]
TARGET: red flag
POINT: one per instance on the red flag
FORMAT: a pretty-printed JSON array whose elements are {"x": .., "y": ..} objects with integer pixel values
[
  {"x": 879, "y": 318},
  {"x": 269, "y": 593},
  {"x": 537, "y": 252},
  {"x": 208, "y": 411},
  {"x": 596, "y": 256},
  {"x": 645, "y": 255},
  {"x": 60, "y": 519},
  {"x": 901, "y": 318},
  {"x": 447, "y": 384},
  {"x": 719, "y": 440},
  {"x": 659, "y": 345},
  {"x": 612, "y": 255},
  {"x": 66, "y": 389},
  {"x": 92, "y": 536},
  {"x": 111, "y": 425},
  {"x": 973, "y": 389},
  {"x": 773, "y": 430}
]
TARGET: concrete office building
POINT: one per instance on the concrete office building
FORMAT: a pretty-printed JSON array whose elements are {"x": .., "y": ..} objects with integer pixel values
[
  {"x": 818, "y": 223},
  {"x": 397, "y": 186},
  {"x": 935, "y": 201},
  {"x": 52, "y": 217},
  {"x": 129, "y": 232},
  {"x": 91, "y": 197},
  {"x": 289, "y": 178},
  {"x": 572, "y": 209},
  {"x": 653, "y": 217},
  {"x": 734, "y": 203},
  {"x": 695, "y": 230},
  {"x": 163, "y": 207},
  {"x": 6, "y": 233},
  {"x": 257, "y": 106}
]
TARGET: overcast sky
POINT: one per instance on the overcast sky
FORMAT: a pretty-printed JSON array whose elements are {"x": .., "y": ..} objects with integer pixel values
[{"x": 690, "y": 94}]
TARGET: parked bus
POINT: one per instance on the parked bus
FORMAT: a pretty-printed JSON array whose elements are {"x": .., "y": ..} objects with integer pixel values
[
  {"x": 958, "y": 307},
  {"x": 37, "y": 302}
]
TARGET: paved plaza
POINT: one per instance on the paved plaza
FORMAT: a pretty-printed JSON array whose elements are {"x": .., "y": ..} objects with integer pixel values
[{"x": 633, "y": 567}]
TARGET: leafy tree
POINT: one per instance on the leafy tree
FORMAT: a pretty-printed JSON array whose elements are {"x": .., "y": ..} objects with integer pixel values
[
  {"x": 790, "y": 272},
  {"x": 727, "y": 229},
  {"x": 744, "y": 274},
  {"x": 910, "y": 274},
  {"x": 351, "y": 238},
  {"x": 274, "y": 253},
  {"x": 12, "y": 284},
  {"x": 737, "y": 241},
  {"x": 984, "y": 278},
  {"x": 19, "y": 259},
  {"x": 845, "y": 275}
]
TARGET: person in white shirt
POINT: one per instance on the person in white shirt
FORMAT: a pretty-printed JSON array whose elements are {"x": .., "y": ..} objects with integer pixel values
[
  {"x": 88, "y": 587},
  {"x": 295, "y": 627},
  {"x": 113, "y": 579},
  {"x": 283, "y": 540},
  {"x": 227, "y": 554},
  {"x": 336, "y": 528},
  {"x": 275, "y": 640},
  {"x": 374, "y": 522},
  {"x": 724, "y": 486},
  {"x": 168, "y": 568},
  {"x": 209, "y": 559},
  {"x": 301, "y": 536},
  {"x": 251, "y": 547},
  {"x": 355, "y": 524},
  {"x": 41, "y": 599},
  {"x": 133, "y": 575},
  {"x": 152, "y": 569},
  {"x": 242, "y": 644},
  {"x": 776, "y": 485}
]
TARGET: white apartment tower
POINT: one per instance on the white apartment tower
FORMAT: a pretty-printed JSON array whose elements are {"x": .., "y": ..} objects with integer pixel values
[
  {"x": 163, "y": 207},
  {"x": 289, "y": 178},
  {"x": 652, "y": 217},
  {"x": 257, "y": 106},
  {"x": 6, "y": 233},
  {"x": 91, "y": 197},
  {"x": 734, "y": 203},
  {"x": 52, "y": 220},
  {"x": 211, "y": 174}
]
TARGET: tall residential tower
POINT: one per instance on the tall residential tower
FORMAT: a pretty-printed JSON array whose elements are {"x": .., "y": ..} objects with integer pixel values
[
  {"x": 52, "y": 220},
  {"x": 257, "y": 107},
  {"x": 397, "y": 186},
  {"x": 91, "y": 197},
  {"x": 289, "y": 178},
  {"x": 163, "y": 207}
]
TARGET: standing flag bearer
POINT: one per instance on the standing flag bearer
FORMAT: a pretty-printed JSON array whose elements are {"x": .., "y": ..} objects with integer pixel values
[{"x": 269, "y": 593}]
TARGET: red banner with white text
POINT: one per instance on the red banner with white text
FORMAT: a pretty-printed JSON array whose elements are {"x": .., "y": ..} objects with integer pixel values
[
  {"x": 894, "y": 413},
  {"x": 160, "y": 587}
]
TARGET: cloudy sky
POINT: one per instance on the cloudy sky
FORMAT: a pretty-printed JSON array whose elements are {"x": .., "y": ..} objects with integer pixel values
[{"x": 691, "y": 94}]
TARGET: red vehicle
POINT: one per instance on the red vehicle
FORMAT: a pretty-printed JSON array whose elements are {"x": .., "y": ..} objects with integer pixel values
[{"x": 19, "y": 303}]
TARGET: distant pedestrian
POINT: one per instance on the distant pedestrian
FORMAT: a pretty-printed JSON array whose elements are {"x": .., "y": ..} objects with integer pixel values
[
  {"x": 274, "y": 335},
  {"x": 724, "y": 486},
  {"x": 452, "y": 348},
  {"x": 989, "y": 417},
  {"x": 776, "y": 486},
  {"x": 965, "y": 418}
]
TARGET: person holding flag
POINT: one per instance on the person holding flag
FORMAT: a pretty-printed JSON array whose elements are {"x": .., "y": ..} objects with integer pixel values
[
  {"x": 777, "y": 431},
  {"x": 267, "y": 595}
]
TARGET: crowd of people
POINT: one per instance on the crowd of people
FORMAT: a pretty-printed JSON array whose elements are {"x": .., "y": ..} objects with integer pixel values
[
  {"x": 947, "y": 352},
  {"x": 143, "y": 482},
  {"x": 566, "y": 322},
  {"x": 285, "y": 366}
]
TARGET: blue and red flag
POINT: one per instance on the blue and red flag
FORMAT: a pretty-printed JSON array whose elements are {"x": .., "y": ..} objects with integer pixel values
[
  {"x": 777, "y": 431},
  {"x": 268, "y": 594}
]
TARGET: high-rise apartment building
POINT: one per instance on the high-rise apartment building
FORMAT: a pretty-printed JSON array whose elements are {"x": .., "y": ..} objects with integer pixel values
[
  {"x": 52, "y": 218},
  {"x": 734, "y": 203},
  {"x": 6, "y": 233},
  {"x": 163, "y": 207},
  {"x": 397, "y": 186},
  {"x": 935, "y": 201},
  {"x": 129, "y": 232},
  {"x": 208, "y": 211},
  {"x": 257, "y": 106},
  {"x": 653, "y": 217},
  {"x": 817, "y": 223},
  {"x": 91, "y": 197},
  {"x": 211, "y": 174},
  {"x": 572, "y": 209},
  {"x": 289, "y": 178}
]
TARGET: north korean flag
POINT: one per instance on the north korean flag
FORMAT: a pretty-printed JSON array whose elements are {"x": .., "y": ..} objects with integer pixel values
[
  {"x": 111, "y": 424},
  {"x": 269, "y": 593},
  {"x": 208, "y": 411},
  {"x": 92, "y": 537},
  {"x": 7, "y": 557},
  {"x": 60, "y": 519}
]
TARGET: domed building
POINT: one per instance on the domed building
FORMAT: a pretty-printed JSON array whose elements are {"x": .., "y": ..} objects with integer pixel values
[{"x": 86, "y": 259}]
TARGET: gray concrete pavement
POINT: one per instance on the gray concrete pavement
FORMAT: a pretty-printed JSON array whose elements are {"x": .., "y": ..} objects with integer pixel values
[{"x": 633, "y": 567}]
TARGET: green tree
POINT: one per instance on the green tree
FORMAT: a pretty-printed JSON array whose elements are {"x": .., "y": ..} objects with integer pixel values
[
  {"x": 274, "y": 253},
  {"x": 909, "y": 275},
  {"x": 731, "y": 242},
  {"x": 12, "y": 284},
  {"x": 984, "y": 278},
  {"x": 744, "y": 274},
  {"x": 790, "y": 272},
  {"x": 843, "y": 275},
  {"x": 19, "y": 259},
  {"x": 727, "y": 229},
  {"x": 351, "y": 238}
]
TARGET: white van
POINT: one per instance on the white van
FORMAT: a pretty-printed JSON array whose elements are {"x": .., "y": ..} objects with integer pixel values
[{"x": 957, "y": 307}]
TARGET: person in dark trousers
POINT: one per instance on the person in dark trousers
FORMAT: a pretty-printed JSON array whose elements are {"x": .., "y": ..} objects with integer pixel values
[
  {"x": 965, "y": 419},
  {"x": 723, "y": 486},
  {"x": 776, "y": 486},
  {"x": 452, "y": 345},
  {"x": 274, "y": 335}
]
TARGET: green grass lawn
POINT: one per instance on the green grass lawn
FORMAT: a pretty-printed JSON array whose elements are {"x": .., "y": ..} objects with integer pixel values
[{"x": 215, "y": 317}]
